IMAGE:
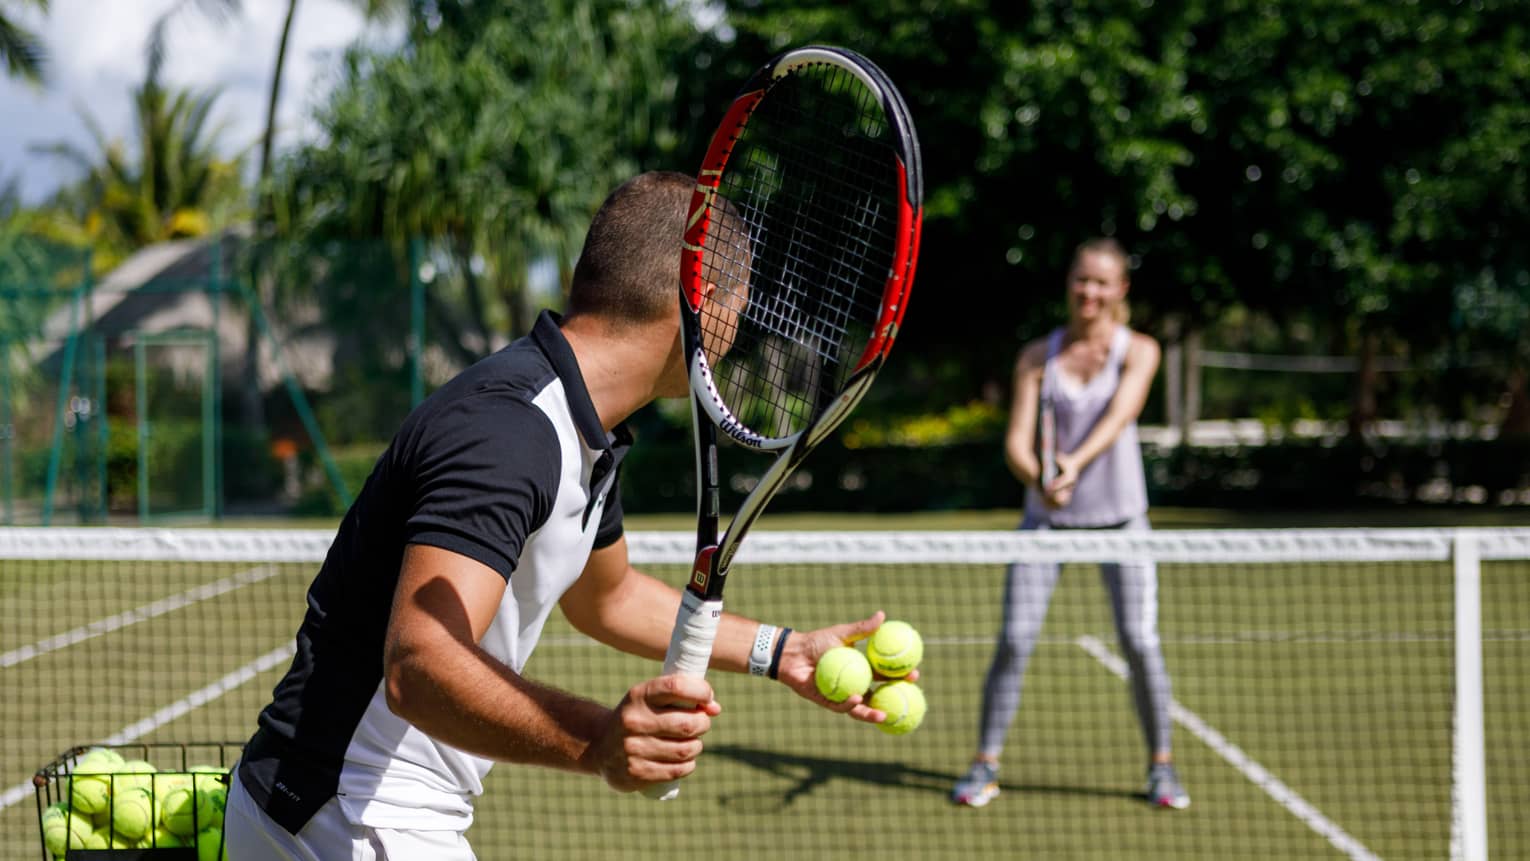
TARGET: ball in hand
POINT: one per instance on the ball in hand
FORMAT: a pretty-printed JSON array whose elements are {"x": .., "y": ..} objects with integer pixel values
[
  {"x": 842, "y": 673},
  {"x": 895, "y": 649},
  {"x": 903, "y": 703}
]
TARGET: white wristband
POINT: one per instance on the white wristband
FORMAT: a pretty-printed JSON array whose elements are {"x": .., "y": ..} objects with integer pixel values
[{"x": 759, "y": 658}]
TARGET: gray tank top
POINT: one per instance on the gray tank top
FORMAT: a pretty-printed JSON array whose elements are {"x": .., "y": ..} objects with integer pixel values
[{"x": 1112, "y": 489}]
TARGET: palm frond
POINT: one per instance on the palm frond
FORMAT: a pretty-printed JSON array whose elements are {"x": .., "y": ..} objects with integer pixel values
[{"x": 22, "y": 50}]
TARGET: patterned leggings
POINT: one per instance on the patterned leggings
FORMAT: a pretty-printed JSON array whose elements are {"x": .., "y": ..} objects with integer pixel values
[{"x": 1133, "y": 591}]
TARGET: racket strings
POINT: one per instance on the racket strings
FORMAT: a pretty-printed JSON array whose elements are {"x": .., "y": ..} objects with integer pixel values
[{"x": 803, "y": 263}]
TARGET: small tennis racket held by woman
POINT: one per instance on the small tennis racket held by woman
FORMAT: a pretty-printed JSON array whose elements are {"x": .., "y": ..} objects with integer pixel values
[{"x": 795, "y": 273}]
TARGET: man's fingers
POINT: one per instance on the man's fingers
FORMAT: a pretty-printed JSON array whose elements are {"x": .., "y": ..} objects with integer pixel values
[
  {"x": 661, "y": 750},
  {"x": 675, "y": 692},
  {"x": 864, "y": 628}
]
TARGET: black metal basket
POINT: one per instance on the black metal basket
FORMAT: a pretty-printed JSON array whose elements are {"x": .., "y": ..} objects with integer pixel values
[{"x": 177, "y": 761}]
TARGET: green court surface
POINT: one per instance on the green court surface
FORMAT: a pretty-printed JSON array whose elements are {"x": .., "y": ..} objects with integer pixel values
[{"x": 1315, "y": 713}]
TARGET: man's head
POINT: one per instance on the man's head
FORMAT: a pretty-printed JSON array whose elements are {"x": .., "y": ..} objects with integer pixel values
[{"x": 629, "y": 269}]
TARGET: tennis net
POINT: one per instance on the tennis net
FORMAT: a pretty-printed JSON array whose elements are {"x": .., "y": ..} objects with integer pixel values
[{"x": 1336, "y": 693}]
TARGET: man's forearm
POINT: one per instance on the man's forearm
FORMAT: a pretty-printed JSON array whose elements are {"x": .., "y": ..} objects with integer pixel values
[{"x": 462, "y": 696}]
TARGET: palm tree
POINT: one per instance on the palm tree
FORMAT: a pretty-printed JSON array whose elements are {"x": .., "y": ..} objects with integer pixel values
[
  {"x": 222, "y": 10},
  {"x": 176, "y": 184},
  {"x": 19, "y": 47}
]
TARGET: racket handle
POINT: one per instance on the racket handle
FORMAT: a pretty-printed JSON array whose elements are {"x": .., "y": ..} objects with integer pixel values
[
  {"x": 690, "y": 650},
  {"x": 1048, "y": 445}
]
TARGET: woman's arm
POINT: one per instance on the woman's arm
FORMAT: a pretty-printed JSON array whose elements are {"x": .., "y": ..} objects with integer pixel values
[
  {"x": 1020, "y": 437},
  {"x": 1137, "y": 372}
]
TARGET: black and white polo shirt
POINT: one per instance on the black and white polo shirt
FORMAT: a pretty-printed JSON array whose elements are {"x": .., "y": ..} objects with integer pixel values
[{"x": 506, "y": 464}]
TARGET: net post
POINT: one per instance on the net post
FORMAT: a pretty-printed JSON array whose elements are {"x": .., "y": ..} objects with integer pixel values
[{"x": 1468, "y": 825}]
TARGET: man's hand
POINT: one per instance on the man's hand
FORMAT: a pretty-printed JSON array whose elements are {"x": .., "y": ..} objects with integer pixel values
[
  {"x": 800, "y": 657},
  {"x": 654, "y": 734}
]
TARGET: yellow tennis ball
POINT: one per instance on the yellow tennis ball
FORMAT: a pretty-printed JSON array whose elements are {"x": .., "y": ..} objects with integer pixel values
[
  {"x": 134, "y": 773},
  {"x": 132, "y": 812},
  {"x": 163, "y": 838},
  {"x": 895, "y": 649},
  {"x": 105, "y": 838},
  {"x": 213, "y": 784},
  {"x": 185, "y": 810},
  {"x": 98, "y": 759},
  {"x": 168, "y": 780},
  {"x": 62, "y": 832},
  {"x": 210, "y": 845},
  {"x": 90, "y": 793},
  {"x": 842, "y": 673},
  {"x": 904, "y": 704}
]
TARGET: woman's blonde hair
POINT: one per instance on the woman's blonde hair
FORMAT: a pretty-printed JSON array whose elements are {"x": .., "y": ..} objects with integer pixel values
[{"x": 1113, "y": 248}]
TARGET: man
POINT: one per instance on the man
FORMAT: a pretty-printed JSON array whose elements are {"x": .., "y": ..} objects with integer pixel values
[{"x": 498, "y": 498}]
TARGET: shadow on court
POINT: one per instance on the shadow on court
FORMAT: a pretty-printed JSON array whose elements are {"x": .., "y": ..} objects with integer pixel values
[{"x": 811, "y": 772}]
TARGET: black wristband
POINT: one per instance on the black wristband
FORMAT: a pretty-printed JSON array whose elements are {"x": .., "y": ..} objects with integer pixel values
[{"x": 775, "y": 656}]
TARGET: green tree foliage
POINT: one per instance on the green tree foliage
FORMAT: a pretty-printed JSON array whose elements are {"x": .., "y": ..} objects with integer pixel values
[
  {"x": 1356, "y": 168},
  {"x": 494, "y": 134}
]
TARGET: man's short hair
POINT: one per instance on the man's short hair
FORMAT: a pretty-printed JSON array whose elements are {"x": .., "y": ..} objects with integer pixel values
[{"x": 629, "y": 270}]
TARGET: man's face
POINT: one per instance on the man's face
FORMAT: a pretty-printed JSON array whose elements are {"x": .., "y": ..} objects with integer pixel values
[{"x": 720, "y": 312}]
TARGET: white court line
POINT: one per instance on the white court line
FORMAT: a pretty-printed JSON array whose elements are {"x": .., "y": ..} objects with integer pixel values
[
  {"x": 138, "y": 614},
  {"x": 1284, "y": 795},
  {"x": 196, "y": 699}
]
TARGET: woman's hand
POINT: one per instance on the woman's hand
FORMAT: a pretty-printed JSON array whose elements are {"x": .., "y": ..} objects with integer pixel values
[{"x": 1059, "y": 491}]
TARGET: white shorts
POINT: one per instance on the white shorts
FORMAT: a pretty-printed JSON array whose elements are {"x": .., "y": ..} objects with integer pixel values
[{"x": 250, "y": 835}]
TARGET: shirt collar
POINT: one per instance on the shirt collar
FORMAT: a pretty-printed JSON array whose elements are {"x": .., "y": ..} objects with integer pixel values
[{"x": 549, "y": 338}]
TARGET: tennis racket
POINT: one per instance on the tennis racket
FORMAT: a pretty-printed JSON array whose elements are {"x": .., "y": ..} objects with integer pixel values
[
  {"x": 1048, "y": 442},
  {"x": 795, "y": 272}
]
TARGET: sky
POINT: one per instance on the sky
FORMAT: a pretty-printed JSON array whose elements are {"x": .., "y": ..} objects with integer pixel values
[{"x": 96, "y": 54}]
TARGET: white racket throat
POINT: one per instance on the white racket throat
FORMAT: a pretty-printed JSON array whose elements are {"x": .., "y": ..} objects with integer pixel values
[{"x": 704, "y": 387}]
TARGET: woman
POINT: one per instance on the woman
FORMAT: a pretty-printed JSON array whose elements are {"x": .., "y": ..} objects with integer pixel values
[{"x": 1088, "y": 381}]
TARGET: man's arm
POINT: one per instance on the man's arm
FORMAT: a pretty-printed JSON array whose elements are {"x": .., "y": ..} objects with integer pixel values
[
  {"x": 439, "y": 679},
  {"x": 629, "y": 610}
]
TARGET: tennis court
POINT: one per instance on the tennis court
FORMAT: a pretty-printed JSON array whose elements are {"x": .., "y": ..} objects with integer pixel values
[{"x": 1314, "y": 703}]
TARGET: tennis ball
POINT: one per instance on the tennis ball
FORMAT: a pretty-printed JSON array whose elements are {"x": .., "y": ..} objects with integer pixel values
[
  {"x": 62, "y": 832},
  {"x": 98, "y": 759},
  {"x": 842, "y": 673},
  {"x": 105, "y": 838},
  {"x": 904, "y": 704},
  {"x": 210, "y": 845},
  {"x": 184, "y": 810},
  {"x": 134, "y": 773},
  {"x": 163, "y": 838},
  {"x": 895, "y": 649},
  {"x": 132, "y": 812},
  {"x": 101, "y": 838},
  {"x": 211, "y": 782},
  {"x": 90, "y": 793},
  {"x": 168, "y": 780}
]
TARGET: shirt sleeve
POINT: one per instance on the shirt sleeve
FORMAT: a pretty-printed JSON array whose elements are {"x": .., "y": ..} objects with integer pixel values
[{"x": 485, "y": 477}]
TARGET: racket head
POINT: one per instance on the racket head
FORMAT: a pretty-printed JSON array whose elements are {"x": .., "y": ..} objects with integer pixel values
[{"x": 800, "y": 246}]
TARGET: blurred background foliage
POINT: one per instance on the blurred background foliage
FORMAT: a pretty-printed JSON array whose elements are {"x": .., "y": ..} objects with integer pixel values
[{"x": 1303, "y": 177}]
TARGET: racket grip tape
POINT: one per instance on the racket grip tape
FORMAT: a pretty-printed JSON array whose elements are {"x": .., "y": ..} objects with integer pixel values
[{"x": 690, "y": 650}]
